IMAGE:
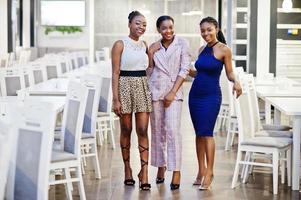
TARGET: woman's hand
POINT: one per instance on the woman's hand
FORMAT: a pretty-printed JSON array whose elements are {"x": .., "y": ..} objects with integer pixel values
[
  {"x": 192, "y": 72},
  {"x": 237, "y": 89},
  {"x": 154, "y": 48},
  {"x": 169, "y": 98},
  {"x": 117, "y": 107}
]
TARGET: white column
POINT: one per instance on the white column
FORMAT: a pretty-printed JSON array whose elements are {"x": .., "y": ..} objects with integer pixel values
[
  {"x": 3, "y": 25},
  {"x": 26, "y": 24},
  {"x": 91, "y": 31},
  {"x": 263, "y": 37},
  {"x": 229, "y": 23}
]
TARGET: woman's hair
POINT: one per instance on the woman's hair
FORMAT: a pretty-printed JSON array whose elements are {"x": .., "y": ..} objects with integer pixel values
[
  {"x": 163, "y": 18},
  {"x": 134, "y": 14},
  {"x": 220, "y": 36}
]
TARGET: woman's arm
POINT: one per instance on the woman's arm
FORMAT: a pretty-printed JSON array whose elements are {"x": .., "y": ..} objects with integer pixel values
[
  {"x": 116, "y": 58},
  {"x": 229, "y": 71},
  {"x": 193, "y": 72},
  {"x": 151, "y": 51}
]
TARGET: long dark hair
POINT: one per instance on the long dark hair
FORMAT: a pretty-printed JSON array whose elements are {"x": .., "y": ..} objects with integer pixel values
[
  {"x": 163, "y": 18},
  {"x": 134, "y": 14},
  {"x": 220, "y": 36}
]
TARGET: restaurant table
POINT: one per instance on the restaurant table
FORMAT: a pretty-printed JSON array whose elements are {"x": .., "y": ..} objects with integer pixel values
[
  {"x": 57, "y": 102},
  {"x": 52, "y": 87},
  {"x": 291, "y": 107},
  {"x": 276, "y": 81},
  {"x": 275, "y": 91}
]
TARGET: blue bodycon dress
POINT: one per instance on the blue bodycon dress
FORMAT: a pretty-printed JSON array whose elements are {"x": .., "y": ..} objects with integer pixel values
[{"x": 205, "y": 95}]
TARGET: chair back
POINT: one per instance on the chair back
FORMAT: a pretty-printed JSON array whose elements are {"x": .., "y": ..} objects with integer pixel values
[
  {"x": 37, "y": 73},
  {"x": 4, "y": 60},
  {"x": 53, "y": 69},
  {"x": 244, "y": 113},
  {"x": 11, "y": 80},
  {"x": 105, "y": 102},
  {"x": 73, "y": 117},
  {"x": 253, "y": 101},
  {"x": 30, "y": 163},
  {"x": 7, "y": 144},
  {"x": 93, "y": 83}
]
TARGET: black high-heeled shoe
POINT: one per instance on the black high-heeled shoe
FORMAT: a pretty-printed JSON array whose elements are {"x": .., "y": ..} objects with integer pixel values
[
  {"x": 174, "y": 186},
  {"x": 143, "y": 186},
  {"x": 160, "y": 179},
  {"x": 130, "y": 181}
]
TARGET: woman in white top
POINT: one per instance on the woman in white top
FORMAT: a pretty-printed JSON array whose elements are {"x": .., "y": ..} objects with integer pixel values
[{"x": 131, "y": 95}]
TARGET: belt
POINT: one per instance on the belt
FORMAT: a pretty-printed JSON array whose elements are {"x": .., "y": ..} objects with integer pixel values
[{"x": 133, "y": 73}]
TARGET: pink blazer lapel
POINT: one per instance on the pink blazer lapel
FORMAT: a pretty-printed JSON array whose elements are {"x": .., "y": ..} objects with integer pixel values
[
  {"x": 161, "y": 60},
  {"x": 172, "y": 47},
  {"x": 163, "y": 57}
]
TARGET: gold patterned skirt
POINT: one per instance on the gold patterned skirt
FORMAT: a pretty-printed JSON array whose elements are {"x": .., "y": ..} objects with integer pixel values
[{"x": 134, "y": 94}]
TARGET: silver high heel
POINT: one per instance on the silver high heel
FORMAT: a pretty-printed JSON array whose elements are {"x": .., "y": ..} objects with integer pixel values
[{"x": 208, "y": 187}]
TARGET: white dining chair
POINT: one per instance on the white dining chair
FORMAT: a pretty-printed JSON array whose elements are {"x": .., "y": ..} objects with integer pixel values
[
  {"x": 232, "y": 127},
  {"x": 24, "y": 57},
  {"x": 105, "y": 117},
  {"x": 67, "y": 154},
  {"x": 11, "y": 80},
  {"x": 30, "y": 160},
  {"x": 250, "y": 144},
  {"x": 37, "y": 73},
  {"x": 88, "y": 141},
  {"x": 8, "y": 138},
  {"x": 267, "y": 129},
  {"x": 4, "y": 60},
  {"x": 53, "y": 69}
]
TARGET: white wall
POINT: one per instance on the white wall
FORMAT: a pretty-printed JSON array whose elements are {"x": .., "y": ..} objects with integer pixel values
[
  {"x": 58, "y": 40},
  {"x": 3, "y": 26}
]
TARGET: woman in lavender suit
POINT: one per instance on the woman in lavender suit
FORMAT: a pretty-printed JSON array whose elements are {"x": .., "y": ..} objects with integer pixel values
[{"x": 169, "y": 66}]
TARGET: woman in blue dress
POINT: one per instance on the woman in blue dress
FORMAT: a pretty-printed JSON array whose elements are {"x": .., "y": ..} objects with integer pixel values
[{"x": 205, "y": 95}]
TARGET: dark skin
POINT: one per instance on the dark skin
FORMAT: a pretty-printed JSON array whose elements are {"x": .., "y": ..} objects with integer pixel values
[
  {"x": 137, "y": 28},
  {"x": 205, "y": 146},
  {"x": 166, "y": 30}
]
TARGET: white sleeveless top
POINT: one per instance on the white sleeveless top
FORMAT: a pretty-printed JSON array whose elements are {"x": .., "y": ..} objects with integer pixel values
[{"x": 133, "y": 57}]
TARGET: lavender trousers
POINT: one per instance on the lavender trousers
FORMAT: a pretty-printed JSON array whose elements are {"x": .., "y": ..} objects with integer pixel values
[{"x": 166, "y": 138}]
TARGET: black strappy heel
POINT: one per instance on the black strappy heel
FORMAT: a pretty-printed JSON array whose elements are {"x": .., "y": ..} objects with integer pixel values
[
  {"x": 143, "y": 186},
  {"x": 160, "y": 179},
  {"x": 129, "y": 182}
]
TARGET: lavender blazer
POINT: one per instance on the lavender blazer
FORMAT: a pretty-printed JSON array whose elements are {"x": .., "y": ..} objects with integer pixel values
[{"x": 169, "y": 64}]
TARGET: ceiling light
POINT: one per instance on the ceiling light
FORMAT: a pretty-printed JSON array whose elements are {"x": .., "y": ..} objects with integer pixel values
[{"x": 193, "y": 12}]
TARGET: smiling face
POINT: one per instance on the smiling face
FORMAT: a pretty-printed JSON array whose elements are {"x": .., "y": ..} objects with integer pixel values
[
  {"x": 166, "y": 30},
  {"x": 137, "y": 26},
  {"x": 208, "y": 32}
]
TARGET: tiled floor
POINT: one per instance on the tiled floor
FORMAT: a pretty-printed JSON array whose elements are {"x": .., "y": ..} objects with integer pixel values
[{"x": 110, "y": 186}]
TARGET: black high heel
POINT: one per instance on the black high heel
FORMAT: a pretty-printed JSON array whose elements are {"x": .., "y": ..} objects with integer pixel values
[
  {"x": 130, "y": 181},
  {"x": 174, "y": 186},
  {"x": 159, "y": 179},
  {"x": 143, "y": 186}
]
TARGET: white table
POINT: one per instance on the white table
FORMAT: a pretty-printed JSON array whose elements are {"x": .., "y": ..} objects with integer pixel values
[
  {"x": 100, "y": 68},
  {"x": 52, "y": 87},
  {"x": 57, "y": 102},
  {"x": 276, "y": 81},
  {"x": 274, "y": 91},
  {"x": 291, "y": 107}
]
